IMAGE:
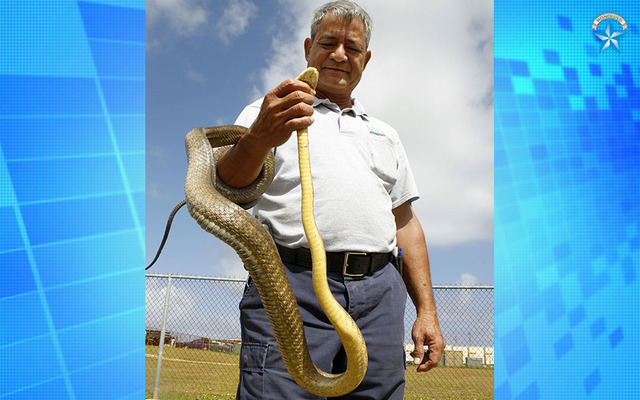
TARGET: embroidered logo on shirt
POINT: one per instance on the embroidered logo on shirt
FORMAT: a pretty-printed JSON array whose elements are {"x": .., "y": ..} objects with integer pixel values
[{"x": 375, "y": 131}]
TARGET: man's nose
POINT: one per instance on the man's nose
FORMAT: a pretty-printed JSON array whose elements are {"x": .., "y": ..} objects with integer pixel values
[{"x": 339, "y": 54}]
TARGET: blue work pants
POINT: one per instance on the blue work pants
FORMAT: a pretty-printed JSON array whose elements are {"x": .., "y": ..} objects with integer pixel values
[{"x": 376, "y": 302}]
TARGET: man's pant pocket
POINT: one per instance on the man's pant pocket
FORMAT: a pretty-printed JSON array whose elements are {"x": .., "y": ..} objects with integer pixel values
[{"x": 253, "y": 357}]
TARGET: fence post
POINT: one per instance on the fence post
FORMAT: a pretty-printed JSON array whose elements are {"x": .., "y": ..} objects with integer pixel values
[
  {"x": 484, "y": 356},
  {"x": 156, "y": 384}
]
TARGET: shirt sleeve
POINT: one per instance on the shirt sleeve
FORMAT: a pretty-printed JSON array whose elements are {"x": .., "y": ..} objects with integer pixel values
[
  {"x": 249, "y": 114},
  {"x": 405, "y": 188}
]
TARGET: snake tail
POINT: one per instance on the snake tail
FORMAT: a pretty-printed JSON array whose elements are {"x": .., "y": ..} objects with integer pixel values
[{"x": 348, "y": 331}]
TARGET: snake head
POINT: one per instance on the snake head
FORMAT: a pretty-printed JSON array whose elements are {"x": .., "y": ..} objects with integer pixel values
[{"x": 309, "y": 76}]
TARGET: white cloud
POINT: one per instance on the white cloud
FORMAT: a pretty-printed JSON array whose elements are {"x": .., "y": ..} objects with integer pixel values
[
  {"x": 183, "y": 17},
  {"x": 226, "y": 262},
  {"x": 467, "y": 279},
  {"x": 154, "y": 190},
  {"x": 169, "y": 18},
  {"x": 287, "y": 51},
  {"x": 197, "y": 308},
  {"x": 466, "y": 297},
  {"x": 431, "y": 77},
  {"x": 235, "y": 19},
  {"x": 156, "y": 151},
  {"x": 195, "y": 75}
]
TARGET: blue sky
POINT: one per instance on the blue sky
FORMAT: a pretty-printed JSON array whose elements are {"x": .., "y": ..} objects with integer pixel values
[{"x": 430, "y": 76}]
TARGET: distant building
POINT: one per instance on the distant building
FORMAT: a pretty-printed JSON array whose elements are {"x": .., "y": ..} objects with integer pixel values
[
  {"x": 459, "y": 356},
  {"x": 152, "y": 338}
]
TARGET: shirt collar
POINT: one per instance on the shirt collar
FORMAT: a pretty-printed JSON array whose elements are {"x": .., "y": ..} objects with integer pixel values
[{"x": 356, "y": 110}]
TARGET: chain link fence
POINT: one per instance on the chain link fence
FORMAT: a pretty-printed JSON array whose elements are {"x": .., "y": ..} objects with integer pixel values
[{"x": 193, "y": 340}]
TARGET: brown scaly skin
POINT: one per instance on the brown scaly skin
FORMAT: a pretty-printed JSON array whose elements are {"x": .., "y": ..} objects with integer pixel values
[{"x": 233, "y": 225}]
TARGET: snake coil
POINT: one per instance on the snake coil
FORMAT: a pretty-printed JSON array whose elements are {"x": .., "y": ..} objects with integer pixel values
[{"x": 233, "y": 225}]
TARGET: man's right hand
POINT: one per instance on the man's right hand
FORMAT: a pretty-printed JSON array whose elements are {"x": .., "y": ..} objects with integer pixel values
[{"x": 285, "y": 109}]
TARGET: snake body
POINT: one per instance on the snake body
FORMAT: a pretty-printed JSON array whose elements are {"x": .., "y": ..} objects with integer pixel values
[{"x": 229, "y": 222}]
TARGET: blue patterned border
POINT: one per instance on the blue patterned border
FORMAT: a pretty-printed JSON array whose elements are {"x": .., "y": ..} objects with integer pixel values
[
  {"x": 567, "y": 204},
  {"x": 72, "y": 200}
]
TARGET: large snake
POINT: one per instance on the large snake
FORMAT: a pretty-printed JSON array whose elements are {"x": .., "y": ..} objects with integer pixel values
[{"x": 232, "y": 224}]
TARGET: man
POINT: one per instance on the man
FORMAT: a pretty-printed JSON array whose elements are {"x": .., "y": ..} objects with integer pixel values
[{"x": 363, "y": 192}]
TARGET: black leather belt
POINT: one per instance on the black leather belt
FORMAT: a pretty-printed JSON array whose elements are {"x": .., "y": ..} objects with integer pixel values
[{"x": 347, "y": 263}]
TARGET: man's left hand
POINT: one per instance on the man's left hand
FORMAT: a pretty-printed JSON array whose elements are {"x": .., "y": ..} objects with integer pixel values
[{"x": 426, "y": 332}]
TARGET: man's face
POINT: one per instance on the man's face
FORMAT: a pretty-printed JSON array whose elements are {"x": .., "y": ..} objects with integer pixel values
[{"x": 339, "y": 53}]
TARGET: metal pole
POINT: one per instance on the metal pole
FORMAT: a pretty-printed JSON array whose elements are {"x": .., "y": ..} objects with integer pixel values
[{"x": 162, "y": 332}]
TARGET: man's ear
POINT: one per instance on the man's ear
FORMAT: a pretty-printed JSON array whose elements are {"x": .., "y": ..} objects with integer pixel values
[
  {"x": 367, "y": 57},
  {"x": 307, "y": 48}
]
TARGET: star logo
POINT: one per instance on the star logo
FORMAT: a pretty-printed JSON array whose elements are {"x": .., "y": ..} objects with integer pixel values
[{"x": 608, "y": 37}]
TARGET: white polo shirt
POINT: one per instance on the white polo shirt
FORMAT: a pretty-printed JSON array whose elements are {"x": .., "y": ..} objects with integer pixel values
[{"x": 360, "y": 173}]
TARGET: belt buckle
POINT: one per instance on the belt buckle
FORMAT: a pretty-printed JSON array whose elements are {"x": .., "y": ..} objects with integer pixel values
[{"x": 346, "y": 263}]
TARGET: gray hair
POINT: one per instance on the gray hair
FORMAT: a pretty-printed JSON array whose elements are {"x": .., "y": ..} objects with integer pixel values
[{"x": 344, "y": 10}]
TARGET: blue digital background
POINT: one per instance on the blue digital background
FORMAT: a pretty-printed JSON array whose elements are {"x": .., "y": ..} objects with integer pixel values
[
  {"x": 567, "y": 204},
  {"x": 72, "y": 199}
]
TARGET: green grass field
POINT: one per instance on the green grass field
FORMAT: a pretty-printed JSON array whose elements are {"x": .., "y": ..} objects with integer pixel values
[{"x": 190, "y": 374}]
